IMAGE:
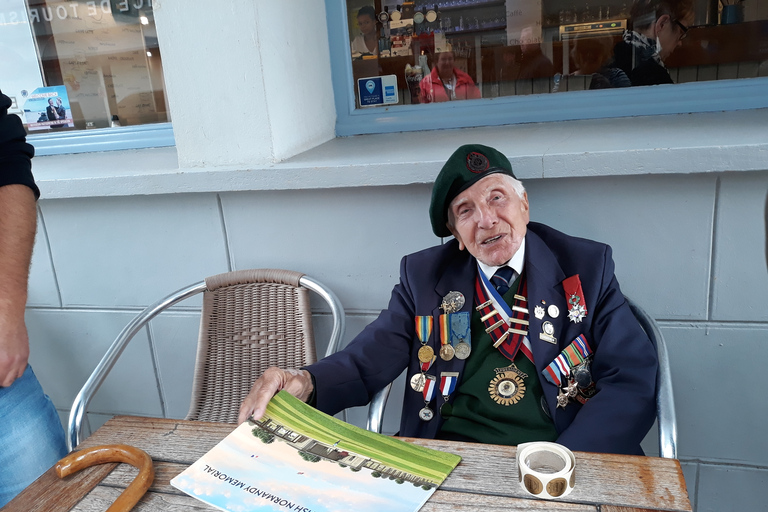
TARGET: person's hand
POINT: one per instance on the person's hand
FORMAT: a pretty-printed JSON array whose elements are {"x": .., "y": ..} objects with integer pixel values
[
  {"x": 296, "y": 382},
  {"x": 14, "y": 349}
]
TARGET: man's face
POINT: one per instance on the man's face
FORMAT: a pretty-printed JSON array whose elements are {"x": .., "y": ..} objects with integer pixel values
[
  {"x": 445, "y": 63},
  {"x": 490, "y": 219}
]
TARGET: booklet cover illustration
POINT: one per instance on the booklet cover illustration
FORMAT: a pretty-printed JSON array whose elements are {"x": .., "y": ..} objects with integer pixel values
[{"x": 299, "y": 459}]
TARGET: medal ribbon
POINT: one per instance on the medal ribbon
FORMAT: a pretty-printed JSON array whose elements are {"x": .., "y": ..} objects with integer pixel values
[
  {"x": 460, "y": 327},
  {"x": 428, "y": 364},
  {"x": 574, "y": 295},
  {"x": 498, "y": 316},
  {"x": 445, "y": 329},
  {"x": 572, "y": 355},
  {"x": 448, "y": 383},
  {"x": 429, "y": 389},
  {"x": 424, "y": 328}
]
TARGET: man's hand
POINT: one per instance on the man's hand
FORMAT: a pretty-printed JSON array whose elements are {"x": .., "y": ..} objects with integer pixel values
[
  {"x": 296, "y": 382},
  {"x": 14, "y": 349}
]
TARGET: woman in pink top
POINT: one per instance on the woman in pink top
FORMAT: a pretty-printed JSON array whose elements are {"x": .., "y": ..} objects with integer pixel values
[{"x": 447, "y": 83}]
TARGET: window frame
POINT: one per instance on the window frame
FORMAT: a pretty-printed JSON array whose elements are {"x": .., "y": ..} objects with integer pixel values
[{"x": 707, "y": 96}]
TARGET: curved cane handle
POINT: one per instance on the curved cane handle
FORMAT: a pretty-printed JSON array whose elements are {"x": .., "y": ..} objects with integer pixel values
[{"x": 137, "y": 458}]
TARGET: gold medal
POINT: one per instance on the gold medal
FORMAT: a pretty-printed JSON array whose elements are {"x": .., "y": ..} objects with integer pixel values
[
  {"x": 426, "y": 354},
  {"x": 447, "y": 352},
  {"x": 507, "y": 387}
]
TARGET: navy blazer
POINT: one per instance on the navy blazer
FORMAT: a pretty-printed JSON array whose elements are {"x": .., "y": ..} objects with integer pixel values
[{"x": 624, "y": 366}]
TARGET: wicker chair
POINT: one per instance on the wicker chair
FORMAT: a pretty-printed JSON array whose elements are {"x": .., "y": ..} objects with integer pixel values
[
  {"x": 665, "y": 400},
  {"x": 251, "y": 320}
]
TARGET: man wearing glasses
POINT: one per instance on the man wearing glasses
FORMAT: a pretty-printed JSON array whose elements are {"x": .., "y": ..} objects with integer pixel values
[{"x": 658, "y": 27}]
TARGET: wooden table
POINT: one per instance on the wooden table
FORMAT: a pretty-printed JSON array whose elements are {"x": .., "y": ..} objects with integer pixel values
[{"x": 486, "y": 479}]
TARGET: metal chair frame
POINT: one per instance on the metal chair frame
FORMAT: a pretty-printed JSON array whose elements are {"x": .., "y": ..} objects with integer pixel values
[
  {"x": 95, "y": 380},
  {"x": 665, "y": 400}
]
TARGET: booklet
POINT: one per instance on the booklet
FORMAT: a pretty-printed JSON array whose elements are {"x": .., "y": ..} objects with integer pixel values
[{"x": 297, "y": 458}]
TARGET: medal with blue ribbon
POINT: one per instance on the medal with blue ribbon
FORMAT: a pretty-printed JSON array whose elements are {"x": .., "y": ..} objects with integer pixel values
[
  {"x": 424, "y": 331},
  {"x": 460, "y": 334},
  {"x": 562, "y": 372},
  {"x": 428, "y": 392},
  {"x": 447, "y": 386}
]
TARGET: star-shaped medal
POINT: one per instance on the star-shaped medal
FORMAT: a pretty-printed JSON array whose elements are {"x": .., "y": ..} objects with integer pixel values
[{"x": 577, "y": 313}]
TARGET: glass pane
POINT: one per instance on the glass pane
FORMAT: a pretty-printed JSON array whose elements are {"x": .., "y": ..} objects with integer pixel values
[
  {"x": 448, "y": 50},
  {"x": 79, "y": 65}
]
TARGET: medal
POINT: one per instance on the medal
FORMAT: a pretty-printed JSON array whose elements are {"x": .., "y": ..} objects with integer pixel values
[
  {"x": 424, "y": 330},
  {"x": 447, "y": 386},
  {"x": 538, "y": 312},
  {"x": 417, "y": 382},
  {"x": 446, "y": 349},
  {"x": 463, "y": 350},
  {"x": 562, "y": 399},
  {"x": 549, "y": 331},
  {"x": 460, "y": 337},
  {"x": 453, "y": 302},
  {"x": 553, "y": 311},
  {"x": 577, "y": 308},
  {"x": 426, "y": 353},
  {"x": 570, "y": 373},
  {"x": 507, "y": 387},
  {"x": 428, "y": 392}
]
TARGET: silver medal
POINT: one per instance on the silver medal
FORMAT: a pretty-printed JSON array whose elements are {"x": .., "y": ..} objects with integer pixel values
[
  {"x": 553, "y": 311},
  {"x": 453, "y": 302},
  {"x": 426, "y": 414}
]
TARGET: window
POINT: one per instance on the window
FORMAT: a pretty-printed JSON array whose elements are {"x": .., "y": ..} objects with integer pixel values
[
  {"x": 73, "y": 66},
  {"x": 403, "y": 54}
]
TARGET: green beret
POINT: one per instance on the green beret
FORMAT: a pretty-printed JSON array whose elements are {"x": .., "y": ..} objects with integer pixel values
[{"x": 466, "y": 166}]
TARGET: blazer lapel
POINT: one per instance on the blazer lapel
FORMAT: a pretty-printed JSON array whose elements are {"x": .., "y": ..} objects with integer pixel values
[{"x": 544, "y": 276}]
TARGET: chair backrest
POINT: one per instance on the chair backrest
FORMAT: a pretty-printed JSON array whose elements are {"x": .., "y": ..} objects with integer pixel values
[
  {"x": 665, "y": 402},
  {"x": 251, "y": 320}
]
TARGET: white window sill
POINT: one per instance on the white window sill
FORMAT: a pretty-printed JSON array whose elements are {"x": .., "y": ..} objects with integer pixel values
[{"x": 671, "y": 144}]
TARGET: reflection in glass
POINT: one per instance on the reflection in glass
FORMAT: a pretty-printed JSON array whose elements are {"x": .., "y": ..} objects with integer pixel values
[
  {"x": 98, "y": 61},
  {"x": 519, "y": 47}
]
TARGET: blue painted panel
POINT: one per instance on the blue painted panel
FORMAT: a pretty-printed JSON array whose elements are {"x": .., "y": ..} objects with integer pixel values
[
  {"x": 659, "y": 227},
  {"x": 740, "y": 285},
  {"x": 131, "y": 251},
  {"x": 717, "y": 377},
  {"x": 728, "y": 488},
  {"x": 351, "y": 240},
  {"x": 66, "y": 346}
]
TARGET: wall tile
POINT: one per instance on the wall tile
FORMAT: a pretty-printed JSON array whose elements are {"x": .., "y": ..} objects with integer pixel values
[
  {"x": 727, "y": 488},
  {"x": 131, "y": 251},
  {"x": 717, "y": 377},
  {"x": 659, "y": 227},
  {"x": 351, "y": 240},
  {"x": 690, "y": 472},
  {"x": 67, "y": 346},
  {"x": 174, "y": 336},
  {"x": 741, "y": 248},
  {"x": 41, "y": 289}
]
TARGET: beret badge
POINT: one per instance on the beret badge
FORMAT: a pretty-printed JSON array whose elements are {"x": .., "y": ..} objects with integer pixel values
[{"x": 477, "y": 162}]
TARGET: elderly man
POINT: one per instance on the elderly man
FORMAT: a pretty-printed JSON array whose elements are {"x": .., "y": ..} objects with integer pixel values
[{"x": 511, "y": 332}]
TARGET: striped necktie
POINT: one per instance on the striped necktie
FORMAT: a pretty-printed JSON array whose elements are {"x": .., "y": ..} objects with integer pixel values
[{"x": 503, "y": 278}]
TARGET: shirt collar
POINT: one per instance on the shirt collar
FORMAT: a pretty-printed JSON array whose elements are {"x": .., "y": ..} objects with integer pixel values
[{"x": 516, "y": 262}]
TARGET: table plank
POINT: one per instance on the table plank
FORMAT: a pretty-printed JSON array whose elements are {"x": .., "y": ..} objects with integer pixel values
[
  {"x": 618, "y": 480},
  {"x": 447, "y": 501},
  {"x": 102, "y": 497}
]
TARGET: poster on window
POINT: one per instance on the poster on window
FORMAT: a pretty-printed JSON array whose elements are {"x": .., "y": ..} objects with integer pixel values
[{"x": 47, "y": 108}]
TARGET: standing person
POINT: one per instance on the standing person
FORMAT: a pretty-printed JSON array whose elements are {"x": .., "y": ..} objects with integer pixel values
[
  {"x": 61, "y": 112},
  {"x": 658, "y": 28},
  {"x": 51, "y": 111},
  {"x": 31, "y": 435},
  {"x": 446, "y": 82},
  {"x": 536, "y": 340},
  {"x": 367, "y": 41}
]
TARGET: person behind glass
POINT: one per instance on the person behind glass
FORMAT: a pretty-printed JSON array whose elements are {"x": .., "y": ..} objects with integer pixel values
[
  {"x": 658, "y": 28},
  {"x": 31, "y": 434},
  {"x": 591, "y": 56},
  {"x": 367, "y": 41},
  {"x": 61, "y": 112},
  {"x": 51, "y": 111},
  {"x": 536, "y": 341},
  {"x": 533, "y": 62},
  {"x": 446, "y": 82}
]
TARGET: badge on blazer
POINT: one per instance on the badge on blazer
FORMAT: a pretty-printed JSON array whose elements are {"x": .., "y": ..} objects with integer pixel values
[
  {"x": 508, "y": 386},
  {"x": 453, "y": 302}
]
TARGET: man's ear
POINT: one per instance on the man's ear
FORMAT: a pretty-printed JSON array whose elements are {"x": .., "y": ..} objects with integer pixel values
[
  {"x": 455, "y": 235},
  {"x": 661, "y": 22}
]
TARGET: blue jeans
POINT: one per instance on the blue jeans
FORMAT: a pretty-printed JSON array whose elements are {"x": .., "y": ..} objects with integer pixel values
[{"x": 31, "y": 436}]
